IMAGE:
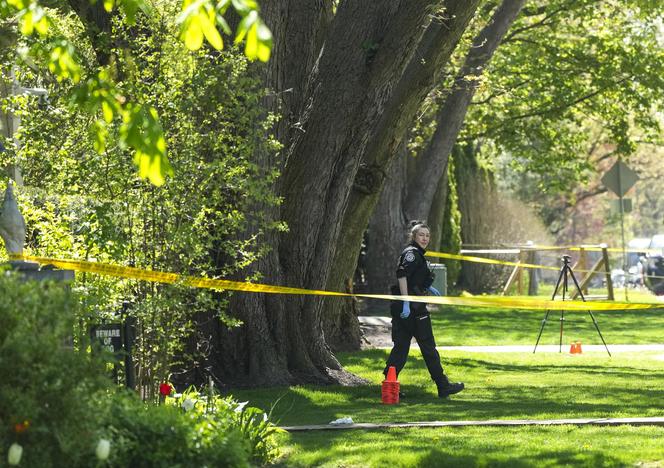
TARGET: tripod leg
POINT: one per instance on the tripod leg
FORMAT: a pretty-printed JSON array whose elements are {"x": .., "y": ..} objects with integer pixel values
[
  {"x": 562, "y": 312},
  {"x": 541, "y": 328},
  {"x": 600, "y": 333},
  {"x": 562, "y": 321},
  {"x": 546, "y": 316}
]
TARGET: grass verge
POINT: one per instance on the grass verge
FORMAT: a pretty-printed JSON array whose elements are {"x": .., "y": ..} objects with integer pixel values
[{"x": 499, "y": 386}]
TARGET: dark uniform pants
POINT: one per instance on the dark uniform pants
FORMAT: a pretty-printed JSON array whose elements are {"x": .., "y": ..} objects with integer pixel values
[{"x": 403, "y": 330}]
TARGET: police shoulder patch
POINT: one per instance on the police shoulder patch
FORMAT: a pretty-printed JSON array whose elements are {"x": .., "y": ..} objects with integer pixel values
[{"x": 409, "y": 257}]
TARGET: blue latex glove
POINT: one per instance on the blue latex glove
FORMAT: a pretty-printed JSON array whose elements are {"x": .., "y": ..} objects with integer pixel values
[
  {"x": 405, "y": 312},
  {"x": 434, "y": 291}
]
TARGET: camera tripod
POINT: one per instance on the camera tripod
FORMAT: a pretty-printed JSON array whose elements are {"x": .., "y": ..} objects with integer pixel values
[{"x": 565, "y": 272}]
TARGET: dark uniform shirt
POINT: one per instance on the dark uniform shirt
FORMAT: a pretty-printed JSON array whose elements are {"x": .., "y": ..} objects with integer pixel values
[{"x": 414, "y": 267}]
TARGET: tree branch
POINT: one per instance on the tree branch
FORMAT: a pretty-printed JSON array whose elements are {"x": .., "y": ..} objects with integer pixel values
[{"x": 544, "y": 111}]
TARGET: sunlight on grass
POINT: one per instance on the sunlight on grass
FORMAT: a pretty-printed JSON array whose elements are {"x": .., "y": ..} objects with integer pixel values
[
  {"x": 455, "y": 326},
  {"x": 473, "y": 446},
  {"x": 498, "y": 386}
]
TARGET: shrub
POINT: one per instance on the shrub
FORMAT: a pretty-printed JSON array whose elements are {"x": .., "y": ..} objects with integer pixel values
[
  {"x": 144, "y": 435},
  {"x": 187, "y": 431},
  {"x": 48, "y": 388},
  {"x": 57, "y": 402}
]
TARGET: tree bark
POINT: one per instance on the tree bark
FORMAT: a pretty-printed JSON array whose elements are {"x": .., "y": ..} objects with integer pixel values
[
  {"x": 437, "y": 212},
  {"x": 387, "y": 229},
  {"x": 433, "y": 162},
  {"x": 97, "y": 23},
  {"x": 349, "y": 86},
  {"x": 389, "y": 129},
  {"x": 480, "y": 210}
]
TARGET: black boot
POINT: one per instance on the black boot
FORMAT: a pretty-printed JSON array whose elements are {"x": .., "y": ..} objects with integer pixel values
[{"x": 447, "y": 388}]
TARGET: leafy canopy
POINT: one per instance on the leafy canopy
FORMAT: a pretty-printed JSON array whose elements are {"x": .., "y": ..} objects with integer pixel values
[{"x": 98, "y": 91}]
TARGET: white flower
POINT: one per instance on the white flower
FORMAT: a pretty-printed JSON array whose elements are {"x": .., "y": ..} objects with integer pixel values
[
  {"x": 240, "y": 406},
  {"x": 15, "y": 453},
  {"x": 188, "y": 404},
  {"x": 264, "y": 417},
  {"x": 103, "y": 449}
]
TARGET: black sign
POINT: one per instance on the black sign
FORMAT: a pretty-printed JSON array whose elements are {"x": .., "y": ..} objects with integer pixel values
[{"x": 108, "y": 337}]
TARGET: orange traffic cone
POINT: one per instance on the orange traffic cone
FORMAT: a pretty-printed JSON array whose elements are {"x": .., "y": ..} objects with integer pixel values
[
  {"x": 575, "y": 348},
  {"x": 390, "y": 389}
]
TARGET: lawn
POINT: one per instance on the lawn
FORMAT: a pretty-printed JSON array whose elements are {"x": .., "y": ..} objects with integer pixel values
[
  {"x": 483, "y": 326},
  {"x": 472, "y": 326},
  {"x": 498, "y": 386}
]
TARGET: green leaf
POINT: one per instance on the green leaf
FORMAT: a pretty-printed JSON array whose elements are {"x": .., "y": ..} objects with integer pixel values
[
  {"x": 244, "y": 7},
  {"x": 42, "y": 26},
  {"x": 222, "y": 6},
  {"x": 264, "y": 42},
  {"x": 152, "y": 167},
  {"x": 251, "y": 47},
  {"x": 131, "y": 7},
  {"x": 142, "y": 131},
  {"x": 245, "y": 24},
  {"x": 108, "y": 5},
  {"x": 63, "y": 64},
  {"x": 193, "y": 35},
  {"x": 210, "y": 31},
  {"x": 107, "y": 111},
  {"x": 18, "y": 4},
  {"x": 189, "y": 10},
  {"x": 224, "y": 25},
  {"x": 27, "y": 26}
]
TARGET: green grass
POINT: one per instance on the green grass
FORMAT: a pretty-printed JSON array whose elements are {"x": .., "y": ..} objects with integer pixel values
[
  {"x": 481, "y": 326},
  {"x": 475, "y": 326},
  {"x": 506, "y": 385},
  {"x": 499, "y": 386},
  {"x": 474, "y": 446}
]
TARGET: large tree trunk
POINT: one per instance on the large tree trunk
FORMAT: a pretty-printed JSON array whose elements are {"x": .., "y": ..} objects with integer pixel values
[
  {"x": 387, "y": 228},
  {"x": 437, "y": 212},
  {"x": 433, "y": 162},
  {"x": 431, "y": 167},
  {"x": 347, "y": 90},
  {"x": 388, "y": 132},
  {"x": 269, "y": 348}
]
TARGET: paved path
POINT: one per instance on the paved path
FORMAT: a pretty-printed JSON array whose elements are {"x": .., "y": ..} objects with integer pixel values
[
  {"x": 491, "y": 422},
  {"x": 385, "y": 322}
]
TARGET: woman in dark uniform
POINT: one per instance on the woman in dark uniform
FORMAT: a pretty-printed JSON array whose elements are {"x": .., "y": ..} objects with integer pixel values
[{"x": 412, "y": 320}]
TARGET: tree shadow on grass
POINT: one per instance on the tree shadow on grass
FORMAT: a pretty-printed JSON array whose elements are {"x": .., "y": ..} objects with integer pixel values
[
  {"x": 536, "y": 391},
  {"x": 438, "y": 448},
  {"x": 441, "y": 458}
]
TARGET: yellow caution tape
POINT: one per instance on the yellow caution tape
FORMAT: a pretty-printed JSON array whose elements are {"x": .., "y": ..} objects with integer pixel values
[
  {"x": 490, "y": 251},
  {"x": 588, "y": 248},
  {"x": 492, "y": 261},
  {"x": 488, "y": 260},
  {"x": 221, "y": 284}
]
